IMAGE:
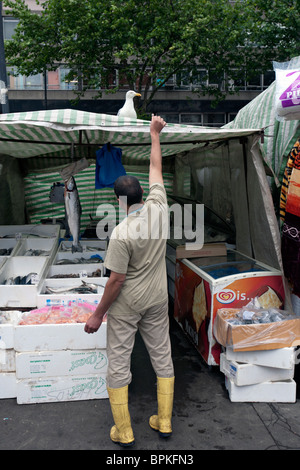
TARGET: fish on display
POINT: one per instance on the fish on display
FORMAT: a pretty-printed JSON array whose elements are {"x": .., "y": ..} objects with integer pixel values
[
  {"x": 32, "y": 252},
  {"x": 20, "y": 280},
  {"x": 83, "y": 288},
  {"x": 5, "y": 251},
  {"x": 93, "y": 259},
  {"x": 63, "y": 247},
  {"x": 73, "y": 212}
]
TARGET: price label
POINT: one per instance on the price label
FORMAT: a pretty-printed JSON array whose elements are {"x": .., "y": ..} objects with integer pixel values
[{"x": 35, "y": 278}]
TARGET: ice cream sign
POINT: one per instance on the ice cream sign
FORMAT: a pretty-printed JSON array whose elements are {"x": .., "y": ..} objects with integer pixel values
[
  {"x": 227, "y": 296},
  {"x": 266, "y": 295}
]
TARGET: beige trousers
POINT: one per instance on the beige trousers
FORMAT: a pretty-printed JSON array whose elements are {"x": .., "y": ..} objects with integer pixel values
[{"x": 153, "y": 325}]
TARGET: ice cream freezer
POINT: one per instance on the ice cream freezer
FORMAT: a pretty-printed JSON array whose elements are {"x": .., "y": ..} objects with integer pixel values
[{"x": 205, "y": 284}]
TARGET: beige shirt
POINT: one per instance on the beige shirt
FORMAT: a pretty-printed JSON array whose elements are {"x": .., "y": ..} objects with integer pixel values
[{"x": 137, "y": 248}]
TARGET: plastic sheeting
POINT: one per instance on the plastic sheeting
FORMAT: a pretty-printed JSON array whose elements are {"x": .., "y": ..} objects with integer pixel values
[
  {"x": 230, "y": 179},
  {"x": 280, "y": 136},
  {"x": 259, "y": 335}
]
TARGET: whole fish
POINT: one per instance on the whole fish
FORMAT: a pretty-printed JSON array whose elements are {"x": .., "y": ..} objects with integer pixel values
[
  {"x": 20, "y": 280},
  {"x": 82, "y": 289},
  {"x": 73, "y": 212}
]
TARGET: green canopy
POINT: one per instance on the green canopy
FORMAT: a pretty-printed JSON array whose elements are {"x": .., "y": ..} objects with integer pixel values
[
  {"x": 46, "y": 133},
  {"x": 280, "y": 136},
  {"x": 221, "y": 168}
]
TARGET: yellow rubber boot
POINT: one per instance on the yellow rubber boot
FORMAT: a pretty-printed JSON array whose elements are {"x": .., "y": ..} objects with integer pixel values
[
  {"x": 165, "y": 393},
  {"x": 122, "y": 432}
]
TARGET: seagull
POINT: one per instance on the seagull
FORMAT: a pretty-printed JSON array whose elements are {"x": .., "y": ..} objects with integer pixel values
[{"x": 128, "y": 109}]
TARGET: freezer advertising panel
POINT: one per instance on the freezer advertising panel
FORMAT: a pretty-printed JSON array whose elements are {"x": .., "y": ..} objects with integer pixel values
[{"x": 198, "y": 298}]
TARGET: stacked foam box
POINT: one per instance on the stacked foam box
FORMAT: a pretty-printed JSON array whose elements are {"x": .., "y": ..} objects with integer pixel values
[
  {"x": 259, "y": 376},
  {"x": 60, "y": 363},
  {"x": 52, "y": 362},
  {"x": 8, "y": 379}
]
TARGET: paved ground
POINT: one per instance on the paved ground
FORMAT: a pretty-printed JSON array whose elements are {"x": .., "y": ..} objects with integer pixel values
[{"x": 203, "y": 416}]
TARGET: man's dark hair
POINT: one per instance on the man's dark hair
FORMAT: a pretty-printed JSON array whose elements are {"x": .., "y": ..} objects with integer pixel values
[{"x": 129, "y": 186}]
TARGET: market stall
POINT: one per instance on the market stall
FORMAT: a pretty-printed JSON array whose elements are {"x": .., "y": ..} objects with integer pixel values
[{"x": 221, "y": 169}]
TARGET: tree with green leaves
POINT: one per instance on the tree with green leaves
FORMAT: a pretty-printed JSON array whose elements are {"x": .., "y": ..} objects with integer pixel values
[{"x": 147, "y": 42}]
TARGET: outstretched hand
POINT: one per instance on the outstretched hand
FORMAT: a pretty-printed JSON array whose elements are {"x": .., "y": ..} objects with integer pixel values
[{"x": 157, "y": 124}]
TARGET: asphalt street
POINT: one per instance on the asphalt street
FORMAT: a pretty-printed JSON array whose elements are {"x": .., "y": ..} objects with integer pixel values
[{"x": 204, "y": 418}]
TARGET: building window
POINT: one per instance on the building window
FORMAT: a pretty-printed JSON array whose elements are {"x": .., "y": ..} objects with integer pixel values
[
  {"x": 65, "y": 82},
  {"x": 193, "y": 119},
  {"x": 9, "y": 25},
  {"x": 214, "y": 119},
  {"x": 170, "y": 118}
]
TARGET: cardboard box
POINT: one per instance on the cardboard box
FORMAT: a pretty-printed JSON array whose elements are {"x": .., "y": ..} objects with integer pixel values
[
  {"x": 253, "y": 337},
  {"x": 208, "y": 249},
  {"x": 58, "y": 337},
  {"x": 266, "y": 392},
  {"x": 59, "y": 389},
  {"x": 283, "y": 358},
  {"x": 60, "y": 363},
  {"x": 7, "y": 360},
  {"x": 8, "y": 385},
  {"x": 249, "y": 374}
]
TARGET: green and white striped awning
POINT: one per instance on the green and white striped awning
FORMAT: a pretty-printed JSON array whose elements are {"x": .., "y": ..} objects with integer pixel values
[
  {"x": 59, "y": 132},
  {"x": 46, "y": 141},
  {"x": 39, "y": 206},
  {"x": 280, "y": 136}
]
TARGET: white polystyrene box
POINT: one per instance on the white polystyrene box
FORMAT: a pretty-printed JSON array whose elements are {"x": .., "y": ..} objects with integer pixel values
[
  {"x": 81, "y": 270},
  {"x": 60, "y": 363},
  {"x": 266, "y": 392},
  {"x": 48, "y": 246},
  {"x": 248, "y": 374},
  {"x": 283, "y": 358},
  {"x": 63, "y": 388},
  {"x": 6, "y": 336},
  {"x": 55, "y": 337},
  {"x": 66, "y": 257},
  {"x": 19, "y": 296},
  {"x": 7, "y": 332},
  {"x": 9, "y": 244},
  {"x": 8, "y": 384},
  {"x": 30, "y": 230},
  {"x": 7, "y": 360},
  {"x": 45, "y": 299},
  {"x": 88, "y": 245}
]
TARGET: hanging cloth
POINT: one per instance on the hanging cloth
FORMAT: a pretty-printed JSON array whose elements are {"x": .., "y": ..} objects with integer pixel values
[
  {"x": 290, "y": 246},
  {"x": 287, "y": 176},
  {"x": 108, "y": 166}
]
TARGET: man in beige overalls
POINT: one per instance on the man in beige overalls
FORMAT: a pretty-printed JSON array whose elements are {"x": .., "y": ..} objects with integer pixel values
[{"x": 136, "y": 295}]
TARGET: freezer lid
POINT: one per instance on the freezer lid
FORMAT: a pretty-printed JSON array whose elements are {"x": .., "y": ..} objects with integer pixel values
[{"x": 232, "y": 264}]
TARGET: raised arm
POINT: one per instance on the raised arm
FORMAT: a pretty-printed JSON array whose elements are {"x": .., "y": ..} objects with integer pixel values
[{"x": 155, "y": 171}]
